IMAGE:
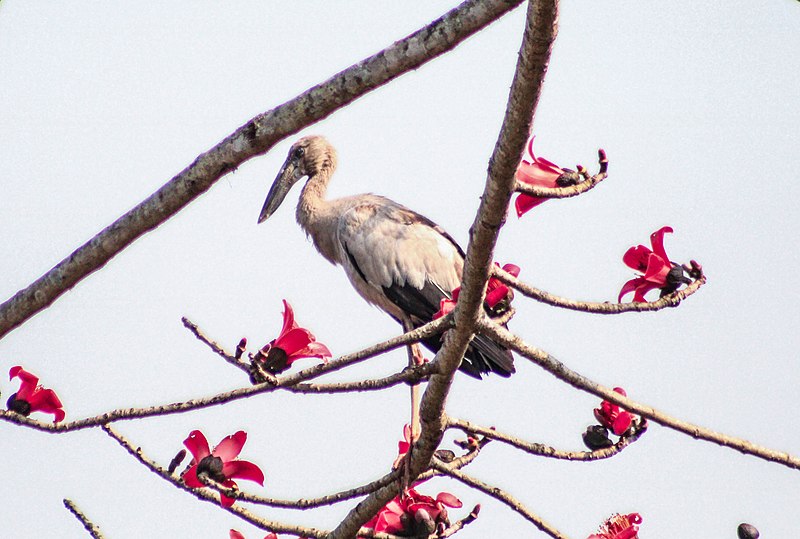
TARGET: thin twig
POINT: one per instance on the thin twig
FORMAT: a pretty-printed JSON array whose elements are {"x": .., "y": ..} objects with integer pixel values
[
  {"x": 254, "y": 138},
  {"x": 501, "y": 495},
  {"x": 423, "y": 332},
  {"x": 670, "y": 300},
  {"x": 90, "y": 526},
  {"x": 459, "y": 525},
  {"x": 563, "y": 373},
  {"x": 542, "y": 449},
  {"x": 289, "y": 384}
]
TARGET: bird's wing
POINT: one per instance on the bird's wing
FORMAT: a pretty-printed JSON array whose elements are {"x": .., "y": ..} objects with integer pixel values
[
  {"x": 406, "y": 264},
  {"x": 406, "y": 259}
]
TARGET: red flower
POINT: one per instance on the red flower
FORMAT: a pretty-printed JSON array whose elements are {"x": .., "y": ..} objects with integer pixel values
[
  {"x": 236, "y": 535},
  {"x": 536, "y": 172},
  {"x": 293, "y": 343},
  {"x": 611, "y": 416},
  {"x": 401, "y": 515},
  {"x": 619, "y": 527},
  {"x": 658, "y": 271},
  {"x": 220, "y": 464},
  {"x": 32, "y": 397},
  {"x": 403, "y": 446},
  {"x": 498, "y": 295}
]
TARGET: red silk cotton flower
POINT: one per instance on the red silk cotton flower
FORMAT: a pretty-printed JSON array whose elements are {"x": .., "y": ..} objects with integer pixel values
[
  {"x": 613, "y": 417},
  {"x": 537, "y": 172},
  {"x": 654, "y": 264},
  {"x": 220, "y": 464},
  {"x": 619, "y": 527},
  {"x": 238, "y": 535},
  {"x": 498, "y": 295},
  {"x": 292, "y": 343},
  {"x": 32, "y": 397},
  {"x": 413, "y": 513}
]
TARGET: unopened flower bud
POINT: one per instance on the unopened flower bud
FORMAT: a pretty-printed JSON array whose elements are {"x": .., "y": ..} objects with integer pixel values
[
  {"x": 747, "y": 531},
  {"x": 241, "y": 348},
  {"x": 596, "y": 437},
  {"x": 176, "y": 461}
]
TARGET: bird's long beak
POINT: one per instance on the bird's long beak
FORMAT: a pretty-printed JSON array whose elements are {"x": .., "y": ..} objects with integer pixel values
[{"x": 287, "y": 177}]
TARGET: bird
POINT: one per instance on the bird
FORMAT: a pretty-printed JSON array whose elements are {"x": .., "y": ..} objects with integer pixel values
[{"x": 395, "y": 258}]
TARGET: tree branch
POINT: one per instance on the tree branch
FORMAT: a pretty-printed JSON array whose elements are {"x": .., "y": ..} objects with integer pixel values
[
  {"x": 423, "y": 332},
  {"x": 670, "y": 300},
  {"x": 578, "y": 381},
  {"x": 534, "y": 55},
  {"x": 545, "y": 450},
  {"x": 405, "y": 376},
  {"x": 92, "y": 528},
  {"x": 254, "y": 138},
  {"x": 208, "y": 496},
  {"x": 503, "y": 496}
]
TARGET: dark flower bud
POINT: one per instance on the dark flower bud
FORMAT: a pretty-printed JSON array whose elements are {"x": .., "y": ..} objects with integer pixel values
[
  {"x": 241, "y": 348},
  {"x": 568, "y": 178},
  {"x": 176, "y": 461},
  {"x": 747, "y": 531},
  {"x": 19, "y": 406},
  {"x": 596, "y": 437}
]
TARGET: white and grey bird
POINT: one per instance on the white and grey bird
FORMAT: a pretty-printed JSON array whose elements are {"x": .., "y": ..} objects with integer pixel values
[{"x": 394, "y": 257}]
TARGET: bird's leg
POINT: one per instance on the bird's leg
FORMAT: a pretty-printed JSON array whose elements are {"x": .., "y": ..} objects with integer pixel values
[{"x": 415, "y": 358}]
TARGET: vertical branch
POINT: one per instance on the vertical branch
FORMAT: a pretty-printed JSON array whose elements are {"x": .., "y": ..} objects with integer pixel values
[{"x": 537, "y": 41}]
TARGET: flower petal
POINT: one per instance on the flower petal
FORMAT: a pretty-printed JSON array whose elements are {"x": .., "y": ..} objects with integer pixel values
[
  {"x": 235, "y": 535},
  {"x": 225, "y": 501},
  {"x": 190, "y": 478},
  {"x": 46, "y": 400},
  {"x": 526, "y": 202},
  {"x": 314, "y": 349},
  {"x": 288, "y": 319},
  {"x": 513, "y": 269},
  {"x": 449, "y": 500},
  {"x": 622, "y": 423},
  {"x": 636, "y": 258},
  {"x": 28, "y": 382},
  {"x": 293, "y": 340},
  {"x": 197, "y": 445},
  {"x": 657, "y": 270},
  {"x": 630, "y": 286},
  {"x": 657, "y": 241},
  {"x": 242, "y": 469},
  {"x": 230, "y": 446},
  {"x": 495, "y": 296}
]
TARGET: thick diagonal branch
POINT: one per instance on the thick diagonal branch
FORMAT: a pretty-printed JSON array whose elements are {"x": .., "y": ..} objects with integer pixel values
[{"x": 254, "y": 138}]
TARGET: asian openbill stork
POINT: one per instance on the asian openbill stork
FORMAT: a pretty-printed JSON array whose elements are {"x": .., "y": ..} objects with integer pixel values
[{"x": 394, "y": 257}]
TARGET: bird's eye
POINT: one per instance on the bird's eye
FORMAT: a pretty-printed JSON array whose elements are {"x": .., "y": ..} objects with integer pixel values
[{"x": 298, "y": 153}]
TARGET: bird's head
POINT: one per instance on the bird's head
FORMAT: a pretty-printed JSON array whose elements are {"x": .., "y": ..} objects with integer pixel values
[{"x": 307, "y": 157}]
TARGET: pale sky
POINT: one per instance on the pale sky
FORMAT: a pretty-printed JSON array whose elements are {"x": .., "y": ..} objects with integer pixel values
[{"x": 696, "y": 105}]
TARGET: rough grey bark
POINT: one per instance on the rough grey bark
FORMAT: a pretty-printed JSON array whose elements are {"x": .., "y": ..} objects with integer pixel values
[{"x": 254, "y": 138}]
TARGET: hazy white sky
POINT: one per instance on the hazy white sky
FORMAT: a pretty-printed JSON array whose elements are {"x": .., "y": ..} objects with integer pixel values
[{"x": 696, "y": 105}]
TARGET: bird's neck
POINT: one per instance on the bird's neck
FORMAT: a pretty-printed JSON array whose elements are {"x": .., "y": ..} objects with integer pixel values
[
  {"x": 312, "y": 199},
  {"x": 315, "y": 215}
]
